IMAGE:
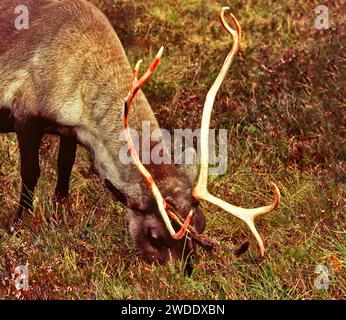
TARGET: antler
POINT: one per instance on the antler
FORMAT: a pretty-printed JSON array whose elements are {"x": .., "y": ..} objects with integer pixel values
[
  {"x": 161, "y": 203},
  {"x": 200, "y": 192}
]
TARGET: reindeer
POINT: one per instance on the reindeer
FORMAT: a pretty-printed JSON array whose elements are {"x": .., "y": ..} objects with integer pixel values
[{"x": 68, "y": 75}]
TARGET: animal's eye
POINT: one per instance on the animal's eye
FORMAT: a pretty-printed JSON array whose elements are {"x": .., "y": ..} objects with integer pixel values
[{"x": 155, "y": 239}]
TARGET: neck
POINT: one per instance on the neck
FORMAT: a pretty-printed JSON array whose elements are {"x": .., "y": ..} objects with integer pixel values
[{"x": 102, "y": 133}]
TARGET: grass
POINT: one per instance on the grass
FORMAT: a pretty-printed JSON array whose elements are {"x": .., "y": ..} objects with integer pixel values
[{"x": 284, "y": 106}]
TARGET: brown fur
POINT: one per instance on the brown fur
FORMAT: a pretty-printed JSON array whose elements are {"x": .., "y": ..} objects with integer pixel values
[{"x": 69, "y": 72}]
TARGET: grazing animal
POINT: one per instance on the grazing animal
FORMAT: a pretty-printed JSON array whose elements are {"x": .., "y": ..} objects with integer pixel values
[{"x": 68, "y": 74}]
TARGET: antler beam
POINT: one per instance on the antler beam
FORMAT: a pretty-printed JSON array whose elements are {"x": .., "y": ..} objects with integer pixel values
[{"x": 201, "y": 192}]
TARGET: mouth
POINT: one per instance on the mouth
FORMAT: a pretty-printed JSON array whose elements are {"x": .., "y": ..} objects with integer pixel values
[{"x": 187, "y": 252}]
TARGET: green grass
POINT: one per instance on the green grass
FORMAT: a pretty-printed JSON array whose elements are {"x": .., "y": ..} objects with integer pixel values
[{"x": 283, "y": 104}]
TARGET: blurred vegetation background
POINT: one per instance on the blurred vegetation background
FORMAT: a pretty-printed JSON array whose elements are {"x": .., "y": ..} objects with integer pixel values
[{"x": 284, "y": 106}]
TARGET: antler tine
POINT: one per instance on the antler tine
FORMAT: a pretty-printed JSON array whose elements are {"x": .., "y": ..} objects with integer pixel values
[
  {"x": 162, "y": 204},
  {"x": 200, "y": 192}
]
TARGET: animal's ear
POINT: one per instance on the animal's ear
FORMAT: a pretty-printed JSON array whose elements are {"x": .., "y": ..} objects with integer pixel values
[{"x": 187, "y": 161}]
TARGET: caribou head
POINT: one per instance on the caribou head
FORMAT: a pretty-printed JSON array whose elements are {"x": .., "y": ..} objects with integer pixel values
[{"x": 174, "y": 225}]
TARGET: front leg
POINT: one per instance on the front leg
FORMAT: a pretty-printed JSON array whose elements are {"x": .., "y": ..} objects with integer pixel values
[
  {"x": 66, "y": 158},
  {"x": 29, "y": 138}
]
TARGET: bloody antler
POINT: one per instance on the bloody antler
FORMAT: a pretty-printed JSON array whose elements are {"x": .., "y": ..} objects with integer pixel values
[{"x": 161, "y": 203}]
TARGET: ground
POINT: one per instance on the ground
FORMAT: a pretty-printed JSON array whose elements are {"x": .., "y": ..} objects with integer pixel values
[{"x": 283, "y": 104}]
